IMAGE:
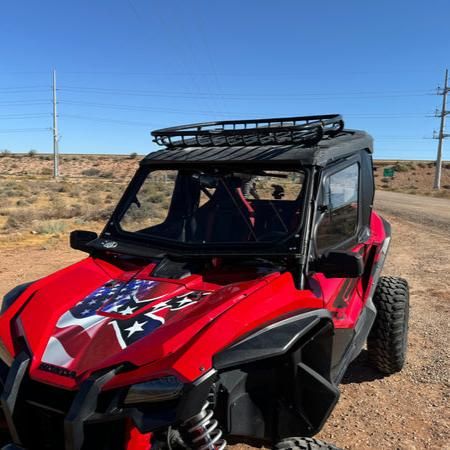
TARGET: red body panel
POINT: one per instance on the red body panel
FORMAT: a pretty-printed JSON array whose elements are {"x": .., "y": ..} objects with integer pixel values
[
  {"x": 184, "y": 344},
  {"x": 191, "y": 319}
]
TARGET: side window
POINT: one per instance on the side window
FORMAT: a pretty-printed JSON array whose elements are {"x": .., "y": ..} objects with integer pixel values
[{"x": 339, "y": 221}]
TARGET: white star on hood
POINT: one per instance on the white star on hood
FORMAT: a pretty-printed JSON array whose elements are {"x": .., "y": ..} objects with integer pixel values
[
  {"x": 127, "y": 311},
  {"x": 136, "y": 327}
]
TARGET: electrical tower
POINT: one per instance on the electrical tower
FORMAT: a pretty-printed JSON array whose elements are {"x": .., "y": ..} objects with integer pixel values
[
  {"x": 55, "y": 132},
  {"x": 441, "y": 136}
]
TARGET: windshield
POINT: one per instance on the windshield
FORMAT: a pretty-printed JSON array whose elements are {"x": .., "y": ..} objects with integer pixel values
[{"x": 216, "y": 206}]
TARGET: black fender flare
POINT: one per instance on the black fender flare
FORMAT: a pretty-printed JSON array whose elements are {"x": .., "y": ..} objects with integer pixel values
[
  {"x": 274, "y": 340},
  {"x": 277, "y": 382}
]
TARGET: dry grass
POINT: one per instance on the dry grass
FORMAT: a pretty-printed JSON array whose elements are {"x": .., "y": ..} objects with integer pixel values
[
  {"x": 47, "y": 207},
  {"x": 412, "y": 177},
  {"x": 33, "y": 204}
]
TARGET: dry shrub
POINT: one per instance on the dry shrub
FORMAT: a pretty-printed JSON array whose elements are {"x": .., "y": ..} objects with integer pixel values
[
  {"x": 51, "y": 227},
  {"x": 19, "y": 219},
  {"x": 90, "y": 172},
  {"x": 107, "y": 175},
  {"x": 402, "y": 167}
]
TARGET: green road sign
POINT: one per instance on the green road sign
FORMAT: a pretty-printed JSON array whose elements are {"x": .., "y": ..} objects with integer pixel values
[{"x": 389, "y": 172}]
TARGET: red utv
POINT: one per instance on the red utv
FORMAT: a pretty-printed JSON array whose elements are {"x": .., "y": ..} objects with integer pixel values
[{"x": 236, "y": 280}]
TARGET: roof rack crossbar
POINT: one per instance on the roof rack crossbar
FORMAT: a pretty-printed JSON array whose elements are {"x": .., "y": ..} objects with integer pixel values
[{"x": 306, "y": 130}]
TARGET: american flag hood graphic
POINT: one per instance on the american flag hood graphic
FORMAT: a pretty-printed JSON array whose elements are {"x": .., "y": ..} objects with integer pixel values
[{"x": 112, "y": 318}]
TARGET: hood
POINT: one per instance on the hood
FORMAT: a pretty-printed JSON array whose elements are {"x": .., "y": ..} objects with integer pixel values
[{"x": 93, "y": 316}]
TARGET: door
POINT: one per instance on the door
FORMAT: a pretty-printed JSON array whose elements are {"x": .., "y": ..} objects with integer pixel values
[{"x": 337, "y": 228}]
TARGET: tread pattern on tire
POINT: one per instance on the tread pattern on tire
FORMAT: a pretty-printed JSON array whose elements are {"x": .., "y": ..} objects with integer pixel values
[
  {"x": 295, "y": 443},
  {"x": 387, "y": 340}
]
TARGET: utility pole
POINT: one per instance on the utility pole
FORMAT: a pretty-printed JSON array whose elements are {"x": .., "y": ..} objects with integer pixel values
[
  {"x": 55, "y": 132},
  {"x": 442, "y": 135}
]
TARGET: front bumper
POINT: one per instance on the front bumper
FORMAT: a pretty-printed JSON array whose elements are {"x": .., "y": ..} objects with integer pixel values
[{"x": 40, "y": 416}]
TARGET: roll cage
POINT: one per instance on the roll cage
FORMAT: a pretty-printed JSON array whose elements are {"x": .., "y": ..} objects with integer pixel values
[{"x": 316, "y": 145}]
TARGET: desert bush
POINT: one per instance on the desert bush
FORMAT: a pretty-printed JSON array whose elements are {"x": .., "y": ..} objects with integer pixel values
[
  {"x": 18, "y": 219},
  {"x": 446, "y": 186},
  {"x": 422, "y": 165},
  {"x": 386, "y": 180},
  {"x": 442, "y": 194},
  {"x": 107, "y": 175},
  {"x": 5, "y": 152},
  {"x": 51, "y": 227},
  {"x": 46, "y": 171},
  {"x": 8, "y": 193},
  {"x": 92, "y": 200},
  {"x": 73, "y": 190},
  {"x": 446, "y": 166},
  {"x": 133, "y": 155},
  {"x": 402, "y": 167},
  {"x": 92, "y": 172},
  {"x": 32, "y": 153},
  {"x": 22, "y": 202},
  {"x": 98, "y": 214}
]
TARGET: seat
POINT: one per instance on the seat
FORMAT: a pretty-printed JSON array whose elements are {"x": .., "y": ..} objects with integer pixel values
[{"x": 226, "y": 217}]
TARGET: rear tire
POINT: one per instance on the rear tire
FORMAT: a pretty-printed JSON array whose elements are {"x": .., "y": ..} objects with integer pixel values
[
  {"x": 297, "y": 443},
  {"x": 388, "y": 339}
]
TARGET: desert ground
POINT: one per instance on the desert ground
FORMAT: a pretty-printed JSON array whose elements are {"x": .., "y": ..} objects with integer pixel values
[{"x": 408, "y": 410}]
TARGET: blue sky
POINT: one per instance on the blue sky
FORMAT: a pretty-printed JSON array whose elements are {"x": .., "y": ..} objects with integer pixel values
[{"x": 126, "y": 67}]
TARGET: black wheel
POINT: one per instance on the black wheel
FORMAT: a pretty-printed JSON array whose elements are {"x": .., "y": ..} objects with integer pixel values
[
  {"x": 297, "y": 443},
  {"x": 388, "y": 339}
]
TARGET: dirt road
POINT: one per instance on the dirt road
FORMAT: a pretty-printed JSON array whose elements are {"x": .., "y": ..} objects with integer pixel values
[
  {"x": 427, "y": 210},
  {"x": 406, "y": 411}
]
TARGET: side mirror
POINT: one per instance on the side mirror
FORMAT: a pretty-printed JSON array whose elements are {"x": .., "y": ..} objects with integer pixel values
[
  {"x": 80, "y": 238},
  {"x": 340, "y": 264}
]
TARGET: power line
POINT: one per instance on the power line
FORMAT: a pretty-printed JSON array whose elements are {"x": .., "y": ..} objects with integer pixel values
[
  {"x": 260, "y": 74},
  {"x": 23, "y": 116},
  {"x": 24, "y": 88},
  {"x": 106, "y": 120},
  {"x": 23, "y": 130},
  {"x": 24, "y": 102},
  {"x": 188, "y": 94},
  {"x": 133, "y": 8},
  {"x": 140, "y": 108}
]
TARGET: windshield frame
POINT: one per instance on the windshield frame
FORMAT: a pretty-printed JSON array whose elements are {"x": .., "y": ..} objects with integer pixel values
[{"x": 290, "y": 245}]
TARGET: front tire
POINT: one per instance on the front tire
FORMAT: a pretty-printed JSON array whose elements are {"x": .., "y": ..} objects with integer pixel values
[
  {"x": 297, "y": 443},
  {"x": 388, "y": 339}
]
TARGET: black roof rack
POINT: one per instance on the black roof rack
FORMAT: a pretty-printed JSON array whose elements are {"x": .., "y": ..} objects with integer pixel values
[{"x": 305, "y": 130}]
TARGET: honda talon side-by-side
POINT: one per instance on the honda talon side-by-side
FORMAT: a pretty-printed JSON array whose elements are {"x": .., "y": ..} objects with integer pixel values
[{"x": 236, "y": 280}]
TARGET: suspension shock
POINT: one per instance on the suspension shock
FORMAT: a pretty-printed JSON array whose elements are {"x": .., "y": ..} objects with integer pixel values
[{"x": 202, "y": 432}]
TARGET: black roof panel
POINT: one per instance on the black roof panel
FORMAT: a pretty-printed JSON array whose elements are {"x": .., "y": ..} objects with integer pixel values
[{"x": 327, "y": 150}]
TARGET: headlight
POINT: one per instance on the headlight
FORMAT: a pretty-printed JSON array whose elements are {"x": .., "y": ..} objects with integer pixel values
[
  {"x": 5, "y": 355},
  {"x": 13, "y": 295},
  {"x": 159, "y": 390}
]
